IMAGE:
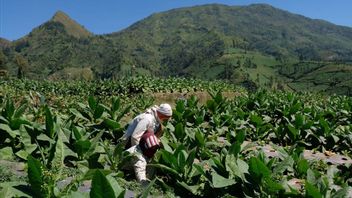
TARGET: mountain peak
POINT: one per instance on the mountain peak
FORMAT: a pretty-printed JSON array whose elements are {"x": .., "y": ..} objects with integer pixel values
[
  {"x": 72, "y": 27},
  {"x": 60, "y": 15}
]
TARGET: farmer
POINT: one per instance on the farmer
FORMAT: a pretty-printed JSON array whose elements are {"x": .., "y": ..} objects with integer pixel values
[{"x": 143, "y": 135}]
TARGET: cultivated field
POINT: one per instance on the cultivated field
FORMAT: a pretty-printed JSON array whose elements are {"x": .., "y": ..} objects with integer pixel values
[{"x": 61, "y": 139}]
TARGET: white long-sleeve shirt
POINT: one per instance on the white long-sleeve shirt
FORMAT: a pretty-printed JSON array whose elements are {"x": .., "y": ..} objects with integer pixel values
[{"x": 144, "y": 121}]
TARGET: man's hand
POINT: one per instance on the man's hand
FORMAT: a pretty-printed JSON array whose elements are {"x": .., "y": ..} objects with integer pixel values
[{"x": 160, "y": 131}]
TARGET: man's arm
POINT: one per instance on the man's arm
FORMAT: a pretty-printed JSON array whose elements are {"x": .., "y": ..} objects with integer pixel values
[{"x": 141, "y": 127}]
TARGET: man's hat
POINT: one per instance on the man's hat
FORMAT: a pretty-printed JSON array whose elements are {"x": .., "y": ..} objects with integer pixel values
[{"x": 165, "y": 109}]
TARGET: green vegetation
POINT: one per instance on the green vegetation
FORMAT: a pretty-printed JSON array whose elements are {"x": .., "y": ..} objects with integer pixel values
[
  {"x": 282, "y": 51},
  {"x": 62, "y": 136},
  {"x": 67, "y": 135},
  {"x": 325, "y": 77},
  {"x": 61, "y": 139}
]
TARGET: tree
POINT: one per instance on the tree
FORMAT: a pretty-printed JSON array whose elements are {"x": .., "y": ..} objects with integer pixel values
[
  {"x": 257, "y": 80},
  {"x": 2, "y": 61},
  {"x": 22, "y": 64},
  {"x": 247, "y": 63},
  {"x": 239, "y": 63}
]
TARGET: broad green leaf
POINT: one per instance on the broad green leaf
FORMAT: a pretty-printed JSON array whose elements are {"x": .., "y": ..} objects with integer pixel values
[
  {"x": 181, "y": 160},
  {"x": 78, "y": 114},
  {"x": 344, "y": 192},
  {"x": 302, "y": 166},
  {"x": 293, "y": 132},
  {"x": 98, "y": 112},
  {"x": 335, "y": 137},
  {"x": 111, "y": 124},
  {"x": 180, "y": 106},
  {"x": 179, "y": 131},
  {"x": 216, "y": 162},
  {"x": 199, "y": 119},
  {"x": 3, "y": 119},
  {"x": 325, "y": 125},
  {"x": 258, "y": 169},
  {"x": 44, "y": 137},
  {"x": 193, "y": 189},
  {"x": 9, "y": 109},
  {"x": 10, "y": 189},
  {"x": 191, "y": 157},
  {"x": 101, "y": 186},
  {"x": 236, "y": 167},
  {"x": 235, "y": 149},
  {"x": 272, "y": 186},
  {"x": 165, "y": 168},
  {"x": 281, "y": 151},
  {"x": 299, "y": 120},
  {"x": 76, "y": 133},
  {"x": 119, "y": 192},
  {"x": 199, "y": 168},
  {"x": 89, "y": 173},
  {"x": 219, "y": 181},
  {"x": 94, "y": 143},
  {"x": 168, "y": 157},
  {"x": 30, "y": 148},
  {"x": 61, "y": 151},
  {"x": 243, "y": 169},
  {"x": 146, "y": 191},
  {"x": 22, "y": 154},
  {"x": 240, "y": 136},
  {"x": 26, "y": 141},
  {"x": 123, "y": 113},
  {"x": 115, "y": 104},
  {"x": 285, "y": 165},
  {"x": 312, "y": 191},
  {"x": 6, "y": 153},
  {"x": 35, "y": 176},
  {"x": 165, "y": 144},
  {"x": 311, "y": 176},
  {"x": 7, "y": 129},
  {"x": 200, "y": 138},
  {"x": 295, "y": 107},
  {"x": 256, "y": 119},
  {"x": 16, "y": 123},
  {"x": 20, "y": 110},
  {"x": 92, "y": 102},
  {"x": 49, "y": 122},
  {"x": 82, "y": 146}
]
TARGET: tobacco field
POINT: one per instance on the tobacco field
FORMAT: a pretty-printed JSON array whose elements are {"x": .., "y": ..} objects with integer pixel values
[{"x": 63, "y": 140}]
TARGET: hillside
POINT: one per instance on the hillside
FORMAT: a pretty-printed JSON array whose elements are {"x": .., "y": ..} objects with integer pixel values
[
  {"x": 210, "y": 41},
  {"x": 4, "y": 43},
  {"x": 276, "y": 32},
  {"x": 58, "y": 44}
]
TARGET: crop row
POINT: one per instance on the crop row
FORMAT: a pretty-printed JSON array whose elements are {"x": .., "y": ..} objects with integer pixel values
[{"x": 203, "y": 146}]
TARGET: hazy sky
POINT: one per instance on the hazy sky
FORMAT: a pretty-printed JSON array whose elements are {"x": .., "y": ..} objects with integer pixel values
[{"x": 19, "y": 17}]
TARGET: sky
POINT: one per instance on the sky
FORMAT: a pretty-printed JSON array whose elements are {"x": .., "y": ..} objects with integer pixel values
[{"x": 19, "y": 17}]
